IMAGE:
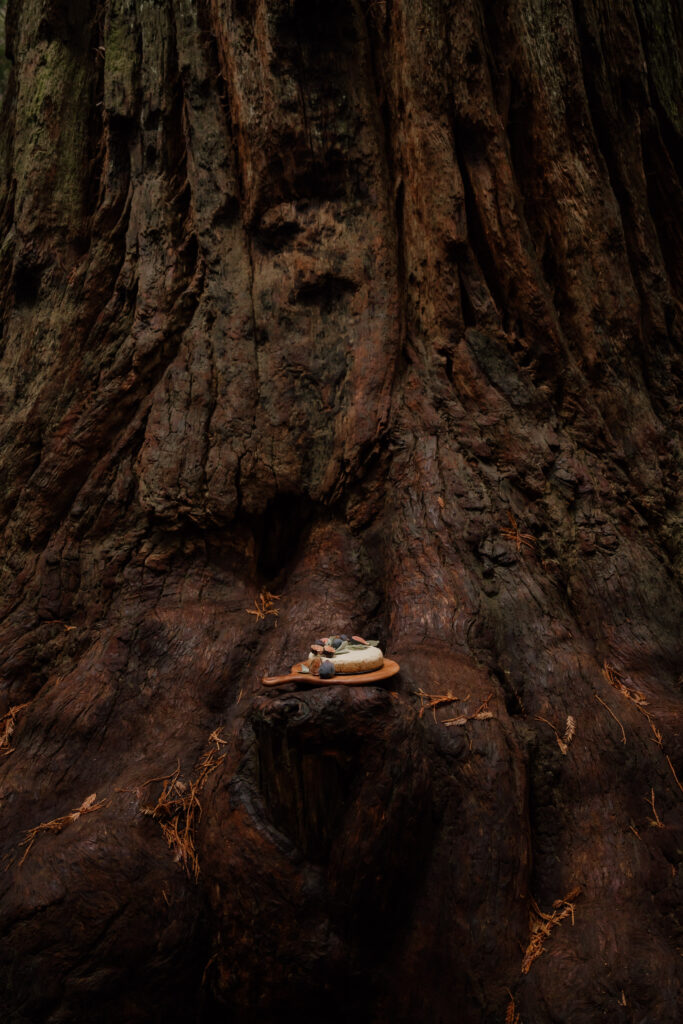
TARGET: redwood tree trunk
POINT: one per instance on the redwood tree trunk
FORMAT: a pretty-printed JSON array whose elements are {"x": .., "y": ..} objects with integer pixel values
[{"x": 375, "y": 307}]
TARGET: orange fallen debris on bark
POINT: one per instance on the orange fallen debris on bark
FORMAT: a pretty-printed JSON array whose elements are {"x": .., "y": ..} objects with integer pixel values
[
  {"x": 88, "y": 806},
  {"x": 541, "y": 925}
]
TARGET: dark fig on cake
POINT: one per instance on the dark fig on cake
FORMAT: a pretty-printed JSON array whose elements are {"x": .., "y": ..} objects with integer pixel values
[{"x": 326, "y": 670}]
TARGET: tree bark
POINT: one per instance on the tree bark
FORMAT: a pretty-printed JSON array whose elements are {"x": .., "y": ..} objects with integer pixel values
[{"x": 374, "y": 307}]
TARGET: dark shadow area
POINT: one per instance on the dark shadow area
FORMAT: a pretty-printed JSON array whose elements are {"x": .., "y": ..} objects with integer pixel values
[{"x": 280, "y": 530}]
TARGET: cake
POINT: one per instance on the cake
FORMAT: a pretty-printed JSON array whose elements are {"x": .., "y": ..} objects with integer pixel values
[
  {"x": 351, "y": 661},
  {"x": 342, "y": 655}
]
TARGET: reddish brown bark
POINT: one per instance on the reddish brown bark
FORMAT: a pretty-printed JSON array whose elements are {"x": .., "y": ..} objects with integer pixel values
[{"x": 377, "y": 307}]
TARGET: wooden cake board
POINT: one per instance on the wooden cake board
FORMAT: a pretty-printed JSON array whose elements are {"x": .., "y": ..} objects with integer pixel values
[{"x": 388, "y": 669}]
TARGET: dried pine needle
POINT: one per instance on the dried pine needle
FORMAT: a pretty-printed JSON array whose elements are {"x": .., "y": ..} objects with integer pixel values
[
  {"x": 263, "y": 605},
  {"x": 430, "y": 701},
  {"x": 673, "y": 772},
  {"x": 178, "y": 808},
  {"x": 656, "y": 822},
  {"x": 481, "y": 714},
  {"x": 541, "y": 925},
  {"x": 58, "y": 824},
  {"x": 512, "y": 533},
  {"x": 7, "y": 725},
  {"x": 569, "y": 730},
  {"x": 615, "y": 679},
  {"x": 511, "y": 1015},
  {"x": 623, "y": 733},
  {"x": 218, "y": 740},
  {"x": 659, "y": 739}
]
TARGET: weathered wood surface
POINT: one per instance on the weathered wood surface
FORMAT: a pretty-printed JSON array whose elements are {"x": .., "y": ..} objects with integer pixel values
[{"x": 377, "y": 307}]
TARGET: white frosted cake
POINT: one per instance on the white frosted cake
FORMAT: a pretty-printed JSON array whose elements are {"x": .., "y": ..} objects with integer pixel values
[{"x": 352, "y": 662}]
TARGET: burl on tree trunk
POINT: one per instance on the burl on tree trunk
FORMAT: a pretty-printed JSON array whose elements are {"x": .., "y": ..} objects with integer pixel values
[{"x": 357, "y": 317}]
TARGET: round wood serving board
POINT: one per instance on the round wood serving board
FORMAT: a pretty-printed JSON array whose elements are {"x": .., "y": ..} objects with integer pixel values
[{"x": 388, "y": 669}]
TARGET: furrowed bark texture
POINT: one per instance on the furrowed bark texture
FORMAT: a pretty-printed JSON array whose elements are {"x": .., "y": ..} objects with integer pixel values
[{"x": 375, "y": 307}]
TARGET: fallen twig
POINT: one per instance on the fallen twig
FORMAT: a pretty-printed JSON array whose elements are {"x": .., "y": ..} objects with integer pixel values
[
  {"x": 432, "y": 700},
  {"x": 541, "y": 925},
  {"x": 57, "y": 824},
  {"x": 480, "y": 714}
]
